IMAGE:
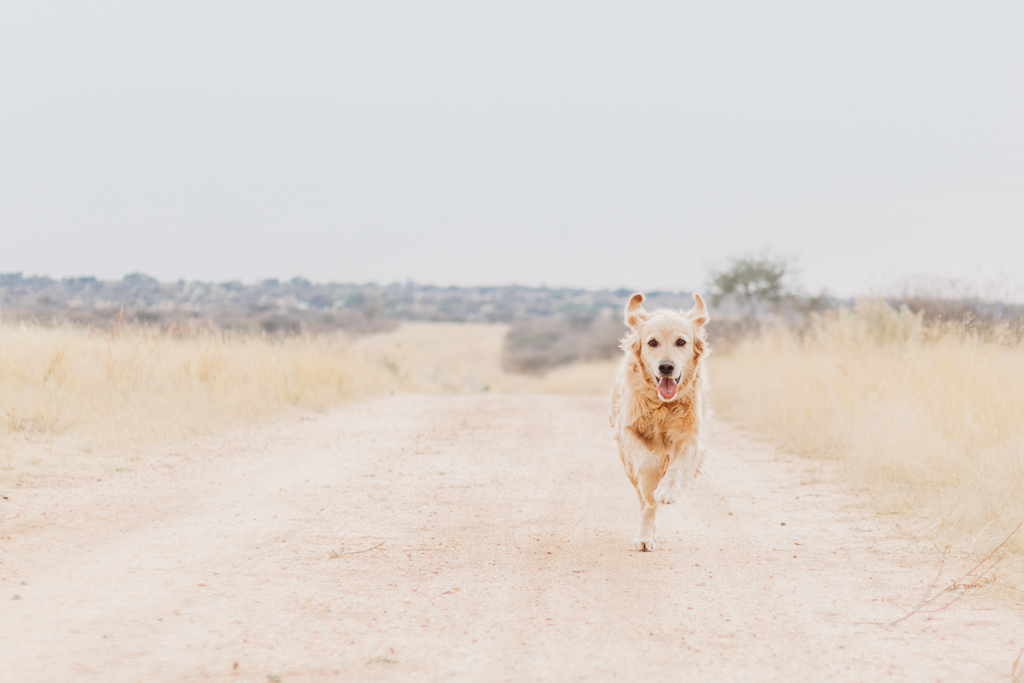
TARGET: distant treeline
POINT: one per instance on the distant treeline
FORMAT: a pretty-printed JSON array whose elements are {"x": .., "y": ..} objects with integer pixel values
[
  {"x": 297, "y": 304},
  {"x": 549, "y": 326}
]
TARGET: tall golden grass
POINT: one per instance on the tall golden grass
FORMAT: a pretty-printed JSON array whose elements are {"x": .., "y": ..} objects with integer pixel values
[
  {"x": 74, "y": 399},
  {"x": 926, "y": 418},
  {"x": 65, "y": 390}
]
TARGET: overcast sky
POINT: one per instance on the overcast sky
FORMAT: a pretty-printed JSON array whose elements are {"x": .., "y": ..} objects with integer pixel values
[{"x": 587, "y": 144}]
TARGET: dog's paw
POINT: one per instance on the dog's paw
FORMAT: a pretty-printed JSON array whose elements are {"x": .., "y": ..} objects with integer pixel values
[
  {"x": 644, "y": 545},
  {"x": 668, "y": 494}
]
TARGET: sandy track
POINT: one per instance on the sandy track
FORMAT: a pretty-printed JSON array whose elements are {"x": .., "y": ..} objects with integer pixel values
[{"x": 503, "y": 525}]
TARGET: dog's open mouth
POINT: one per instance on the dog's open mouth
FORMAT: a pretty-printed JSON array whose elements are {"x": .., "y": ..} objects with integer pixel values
[{"x": 668, "y": 387}]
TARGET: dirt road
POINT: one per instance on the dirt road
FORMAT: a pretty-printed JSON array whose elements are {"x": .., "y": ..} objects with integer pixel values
[{"x": 476, "y": 538}]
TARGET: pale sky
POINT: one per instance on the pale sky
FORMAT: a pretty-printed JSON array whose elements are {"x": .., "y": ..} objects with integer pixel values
[{"x": 585, "y": 144}]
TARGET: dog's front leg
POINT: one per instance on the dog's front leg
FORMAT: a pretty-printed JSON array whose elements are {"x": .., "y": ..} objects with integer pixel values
[
  {"x": 643, "y": 471},
  {"x": 647, "y": 482},
  {"x": 682, "y": 466}
]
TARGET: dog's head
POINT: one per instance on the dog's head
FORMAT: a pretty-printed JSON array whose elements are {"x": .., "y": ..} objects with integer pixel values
[{"x": 667, "y": 344}]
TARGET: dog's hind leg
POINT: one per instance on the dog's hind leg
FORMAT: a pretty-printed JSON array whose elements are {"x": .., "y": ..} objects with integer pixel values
[{"x": 682, "y": 468}]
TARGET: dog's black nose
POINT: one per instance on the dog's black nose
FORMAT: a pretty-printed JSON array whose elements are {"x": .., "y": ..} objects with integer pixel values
[{"x": 666, "y": 368}]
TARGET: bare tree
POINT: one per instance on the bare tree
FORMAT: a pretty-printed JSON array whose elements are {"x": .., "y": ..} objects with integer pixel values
[{"x": 753, "y": 282}]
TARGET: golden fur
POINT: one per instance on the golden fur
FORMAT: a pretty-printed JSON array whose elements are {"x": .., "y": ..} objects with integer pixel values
[{"x": 658, "y": 432}]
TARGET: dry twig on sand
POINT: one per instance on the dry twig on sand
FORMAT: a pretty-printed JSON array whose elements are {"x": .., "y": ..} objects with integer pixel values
[
  {"x": 1015, "y": 675},
  {"x": 335, "y": 553},
  {"x": 959, "y": 583}
]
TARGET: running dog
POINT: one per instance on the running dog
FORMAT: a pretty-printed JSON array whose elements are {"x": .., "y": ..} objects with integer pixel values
[{"x": 658, "y": 405}]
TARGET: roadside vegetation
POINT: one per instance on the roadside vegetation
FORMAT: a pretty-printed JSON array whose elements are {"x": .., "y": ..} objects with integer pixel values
[
  {"x": 922, "y": 407},
  {"x": 76, "y": 399},
  {"x": 67, "y": 391},
  {"x": 925, "y": 417}
]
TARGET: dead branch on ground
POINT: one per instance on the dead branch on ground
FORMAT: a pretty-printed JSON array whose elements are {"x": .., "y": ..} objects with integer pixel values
[
  {"x": 335, "y": 553},
  {"x": 958, "y": 584},
  {"x": 1017, "y": 676}
]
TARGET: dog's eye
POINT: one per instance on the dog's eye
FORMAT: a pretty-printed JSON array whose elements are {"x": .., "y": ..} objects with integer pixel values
[
  {"x": 680, "y": 342},
  {"x": 652, "y": 343}
]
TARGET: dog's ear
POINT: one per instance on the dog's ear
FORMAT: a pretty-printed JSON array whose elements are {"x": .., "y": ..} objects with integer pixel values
[
  {"x": 699, "y": 316},
  {"x": 700, "y": 344},
  {"x": 699, "y": 313},
  {"x": 635, "y": 314}
]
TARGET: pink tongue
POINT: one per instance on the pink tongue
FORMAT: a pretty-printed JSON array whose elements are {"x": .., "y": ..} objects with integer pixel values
[{"x": 667, "y": 387}]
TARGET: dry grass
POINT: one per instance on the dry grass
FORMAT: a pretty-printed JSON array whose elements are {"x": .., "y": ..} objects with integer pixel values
[
  {"x": 74, "y": 400},
  {"x": 66, "y": 391},
  {"x": 926, "y": 418}
]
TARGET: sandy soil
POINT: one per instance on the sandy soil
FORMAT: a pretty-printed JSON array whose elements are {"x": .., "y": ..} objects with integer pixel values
[{"x": 478, "y": 538}]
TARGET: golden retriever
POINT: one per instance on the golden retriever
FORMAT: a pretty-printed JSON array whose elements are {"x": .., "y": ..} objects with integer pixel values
[{"x": 658, "y": 405}]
